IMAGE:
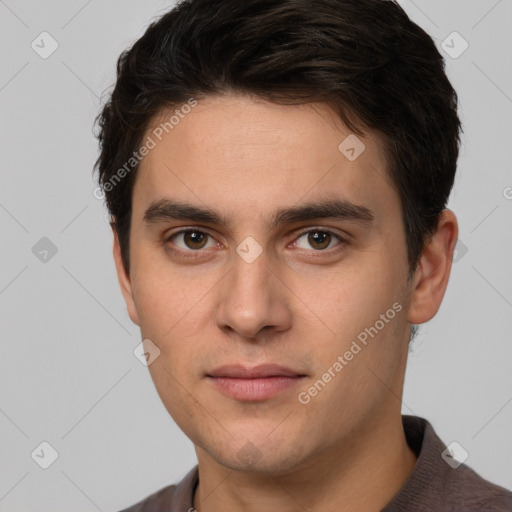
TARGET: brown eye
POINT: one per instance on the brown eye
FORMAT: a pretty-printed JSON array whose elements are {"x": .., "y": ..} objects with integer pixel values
[
  {"x": 191, "y": 239},
  {"x": 317, "y": 239},
  {"x": 195, "y": 239}
]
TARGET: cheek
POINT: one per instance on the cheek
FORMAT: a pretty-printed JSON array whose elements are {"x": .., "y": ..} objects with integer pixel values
[
  {"x": 353, "y": 298},
  {"x": 172, "y": 387},
  {"x": 364, "y": 308},
  {"x": 165, "y": 295},
  {"x": 172, "y": 309}
]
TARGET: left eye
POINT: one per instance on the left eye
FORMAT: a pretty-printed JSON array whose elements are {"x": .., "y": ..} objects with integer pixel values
[{"x": 317, "y": 239}]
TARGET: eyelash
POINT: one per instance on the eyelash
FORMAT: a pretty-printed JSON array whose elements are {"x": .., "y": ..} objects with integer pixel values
[{"x": 191, "y": 252}]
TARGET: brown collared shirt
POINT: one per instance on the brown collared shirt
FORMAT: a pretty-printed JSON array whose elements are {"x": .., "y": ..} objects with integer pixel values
[{"x": 434, "y": 485}]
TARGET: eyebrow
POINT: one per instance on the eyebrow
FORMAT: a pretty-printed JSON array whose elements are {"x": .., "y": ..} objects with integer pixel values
[{"x": 166, "y": 209}]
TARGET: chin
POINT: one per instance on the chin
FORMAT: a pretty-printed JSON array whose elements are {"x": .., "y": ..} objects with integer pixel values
[
  {"x": 265, "y": 465},
  {"x": 278, "y": 457}
]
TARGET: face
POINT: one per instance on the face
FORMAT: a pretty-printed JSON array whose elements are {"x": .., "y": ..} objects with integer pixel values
[{"x": 292, "y": 253}]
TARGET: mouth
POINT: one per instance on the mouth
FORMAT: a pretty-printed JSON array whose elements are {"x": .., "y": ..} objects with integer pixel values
[{"x": 254, "y": 384}]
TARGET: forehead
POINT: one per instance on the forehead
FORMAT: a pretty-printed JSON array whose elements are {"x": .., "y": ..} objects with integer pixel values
[{"x": 243, "y": 153}]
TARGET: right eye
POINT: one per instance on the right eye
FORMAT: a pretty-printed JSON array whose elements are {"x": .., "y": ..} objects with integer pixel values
[{"x": 190, "y": 240}]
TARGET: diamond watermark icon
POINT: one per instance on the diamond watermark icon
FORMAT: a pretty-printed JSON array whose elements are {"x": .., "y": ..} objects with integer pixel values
[
  {"x": 249, "y": 249},
  {"x": 454, "y": 45},
  {"x": 454, "y": 455},
  {"x": 249, "y": 454},
  {"x": 44, "y": 455},
  {"x": 351, "y": 147},
  {"x": 146, "y": 352},
  {"x": 44, "y": 45},
  {"x": 460, "y": 251},
  {"x": 44, "y": 250}
]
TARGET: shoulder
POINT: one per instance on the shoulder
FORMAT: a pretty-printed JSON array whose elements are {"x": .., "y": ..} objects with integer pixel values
[
  {"x": 439, "y": 482},
  {"x": 477, "y": 493},
  {"x": 159, "y": 501}
]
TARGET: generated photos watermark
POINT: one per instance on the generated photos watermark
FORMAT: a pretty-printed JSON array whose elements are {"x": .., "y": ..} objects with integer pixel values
[
  {"x": 304, "y": 397},
  {"x": 149, "y": 144}
]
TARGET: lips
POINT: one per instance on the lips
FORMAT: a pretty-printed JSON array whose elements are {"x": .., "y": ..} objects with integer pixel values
[
  {"x": 265, "y": 370},
  {"x": 253, "y": 384}
]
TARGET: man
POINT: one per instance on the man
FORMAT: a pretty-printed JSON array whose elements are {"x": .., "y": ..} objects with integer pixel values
[{"x": 277, "y": 175}]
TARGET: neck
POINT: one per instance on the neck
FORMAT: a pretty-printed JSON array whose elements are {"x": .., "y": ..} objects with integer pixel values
[{"x": 362, "y": 473}]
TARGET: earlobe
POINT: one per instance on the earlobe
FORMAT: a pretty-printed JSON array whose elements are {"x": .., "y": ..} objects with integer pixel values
[
  {"x": 124, "y": 280},
  {"x": 433, "y": 272}
]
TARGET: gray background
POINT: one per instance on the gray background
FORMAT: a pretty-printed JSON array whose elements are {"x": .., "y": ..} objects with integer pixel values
[{"x": 68, "y": 373}]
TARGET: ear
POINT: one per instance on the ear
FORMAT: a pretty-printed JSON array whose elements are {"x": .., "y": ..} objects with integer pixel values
[
  {"x": 431, "y": 277},
  {"x": 124, "y": 280}
]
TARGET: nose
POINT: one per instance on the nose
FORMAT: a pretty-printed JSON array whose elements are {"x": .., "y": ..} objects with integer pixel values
[{"x": 253, "y": 299}]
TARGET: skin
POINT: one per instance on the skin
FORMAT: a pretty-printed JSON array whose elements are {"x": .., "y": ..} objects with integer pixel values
[{"x": 299, "y": 304}]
